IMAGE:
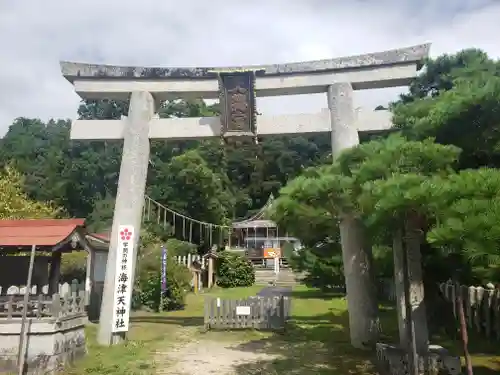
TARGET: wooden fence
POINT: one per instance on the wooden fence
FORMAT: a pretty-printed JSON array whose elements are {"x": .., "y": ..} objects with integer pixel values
[
  {"x": 64, "y": 288},
  {"x": 42, "y": 306},
  {"x": 187, "y": 260},
  {"x": 265, "y": 313},
  {"x": 258, "y": 262},
  {"x": 481, "y": 307},
  {"x": 70, "y": 299}
]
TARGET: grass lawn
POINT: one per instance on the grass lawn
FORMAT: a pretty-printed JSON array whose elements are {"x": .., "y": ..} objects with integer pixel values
[{"x": 316, "y": 343}]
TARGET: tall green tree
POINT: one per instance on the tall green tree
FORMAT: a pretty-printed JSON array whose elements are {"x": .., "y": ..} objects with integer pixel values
[
  {"x": 201, "y": 191},
  {"x": 456, "y": 101},
  {"x": 15, "y": 204},
  {"x": 467, "y": 224},
  {"x": 383, "y": 183}
]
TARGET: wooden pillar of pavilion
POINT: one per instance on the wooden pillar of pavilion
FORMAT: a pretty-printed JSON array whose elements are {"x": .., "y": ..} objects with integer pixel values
[{"x": 55, "y": 272}]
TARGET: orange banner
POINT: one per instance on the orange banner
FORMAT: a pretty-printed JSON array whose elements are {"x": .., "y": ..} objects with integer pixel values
[{"x": 272, "y": 253}]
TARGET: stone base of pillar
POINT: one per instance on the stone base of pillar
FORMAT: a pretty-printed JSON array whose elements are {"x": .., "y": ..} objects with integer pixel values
[{"x": 393, "y": 360}]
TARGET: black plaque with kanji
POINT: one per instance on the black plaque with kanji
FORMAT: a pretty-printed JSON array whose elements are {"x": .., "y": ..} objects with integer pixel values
[{"x": 237, "y": 102}]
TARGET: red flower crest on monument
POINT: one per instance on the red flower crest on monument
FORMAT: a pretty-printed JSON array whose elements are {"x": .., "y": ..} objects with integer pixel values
[{"x": 125, "y": 234}]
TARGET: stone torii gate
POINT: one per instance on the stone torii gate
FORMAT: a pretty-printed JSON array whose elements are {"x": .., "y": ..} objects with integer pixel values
[{"x": 147, "y": 88}]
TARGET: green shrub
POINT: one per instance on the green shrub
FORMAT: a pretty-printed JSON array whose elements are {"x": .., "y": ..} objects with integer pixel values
[
  {"x": 148, "y": 281},
  {"x": 234, "y": 270},
  {"x": 178, "y": 284},
  {"x": 322, "y": 265},
  {"x": 73, "y": 266}
]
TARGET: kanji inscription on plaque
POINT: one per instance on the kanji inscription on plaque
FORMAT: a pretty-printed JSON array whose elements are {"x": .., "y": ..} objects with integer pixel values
[
  {"x": 123, "y": 278},
  {"x": 237, "y": 97}
]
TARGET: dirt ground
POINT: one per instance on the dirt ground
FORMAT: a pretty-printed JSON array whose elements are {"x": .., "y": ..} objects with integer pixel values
[{"x": 208, "y": 357}]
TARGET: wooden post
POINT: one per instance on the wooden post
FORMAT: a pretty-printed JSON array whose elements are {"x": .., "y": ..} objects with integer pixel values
[
  {"x": 89, "y": 275},
  {"x": 195, "y": 281},
  {"x": 55, "y": 272},
  {"x": 459, "y": 303},
  {"x": 411, "y": 348},
  {"x": 22, "y": 349}
]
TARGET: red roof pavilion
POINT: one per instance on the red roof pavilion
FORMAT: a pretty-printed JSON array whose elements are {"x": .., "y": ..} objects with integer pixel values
[{"x": 44, "y": 233}]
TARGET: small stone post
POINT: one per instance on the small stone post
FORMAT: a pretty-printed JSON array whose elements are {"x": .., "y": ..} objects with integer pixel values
[
  {"x": 399, "y": 281},
  {"x": 210, "y": 272}
]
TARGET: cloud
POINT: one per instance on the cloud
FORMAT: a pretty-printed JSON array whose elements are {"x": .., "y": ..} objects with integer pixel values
[{"x": 35, "y": 35}]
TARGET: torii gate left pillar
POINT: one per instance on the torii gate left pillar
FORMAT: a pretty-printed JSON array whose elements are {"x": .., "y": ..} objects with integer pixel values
[{"x": 129, "y": 202}]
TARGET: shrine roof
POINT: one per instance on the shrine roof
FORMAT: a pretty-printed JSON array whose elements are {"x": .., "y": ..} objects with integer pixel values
[
  {"x": 100, "y": 236},
  {"x": 44, "y": 233},
  {"x": 254, "y": 224},
  {"x": 99, "y": 241},
  {"x": 74, "y": 70}
]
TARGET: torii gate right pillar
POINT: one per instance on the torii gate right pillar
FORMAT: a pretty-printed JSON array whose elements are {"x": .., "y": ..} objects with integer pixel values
[{"x": 356, "y": 253}]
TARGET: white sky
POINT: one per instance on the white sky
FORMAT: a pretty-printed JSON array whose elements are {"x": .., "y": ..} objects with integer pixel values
[{"x": 35, "y": 35}]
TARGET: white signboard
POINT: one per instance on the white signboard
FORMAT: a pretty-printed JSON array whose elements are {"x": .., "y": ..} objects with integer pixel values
[
  {"x": 242, "y": 310},
  {"x": 123, "y": 278}
]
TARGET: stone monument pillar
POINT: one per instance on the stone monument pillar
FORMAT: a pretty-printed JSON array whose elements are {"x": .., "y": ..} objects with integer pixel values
[
  {"x": 418, "y": 316},
  {"x": 399, "y": 281},
  {"x": 129, "y": 201},
  {"x": 356, "y": 253}
]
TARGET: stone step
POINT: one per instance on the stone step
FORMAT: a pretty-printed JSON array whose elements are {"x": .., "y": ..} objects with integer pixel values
[
  {"x": 273, "y": 276},
  {"x": 281, "y": 277},
  {"x": 285, "y": 277},
  {"x": 281, "y": 283},
  {"x": 291, "y": 275}
]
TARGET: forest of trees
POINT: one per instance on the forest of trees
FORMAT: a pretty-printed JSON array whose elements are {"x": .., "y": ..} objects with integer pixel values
[
  {"x": 455, "y": 101},
  {"x": 201, "y": 179}
]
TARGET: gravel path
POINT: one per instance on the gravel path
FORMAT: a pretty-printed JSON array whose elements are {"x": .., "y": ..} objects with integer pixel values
[
  {"x": 207, "y": 357},
  {"x": 271, "y": 291}
]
